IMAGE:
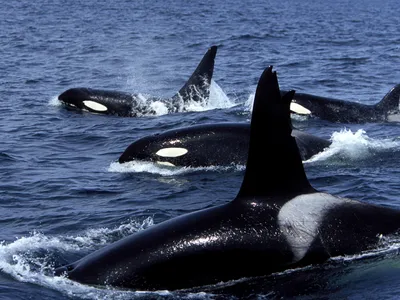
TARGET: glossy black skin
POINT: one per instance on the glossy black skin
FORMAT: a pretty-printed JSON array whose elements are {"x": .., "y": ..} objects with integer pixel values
[
  {"x": 123, "y": 104},
  {"x": 241, "y": 238},
  {"x": 235, "y": 240},
  {"x": 342, "y": 111},
  {"x": 190, "y": 250},
  {"x": 211, "y": 145}
]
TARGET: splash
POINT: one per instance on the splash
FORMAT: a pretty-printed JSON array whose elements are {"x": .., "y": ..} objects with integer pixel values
[
  {"x": 88, "y": 239},
  {"x": 102, "y": 236},
  {"x": 31, "y": 259},
  {"x": 154, "y": 168},
  {"x": 146, "y": 106},
  {"x": 217, "y": 99},
  {"x": 159, "y": 107},
  {"x": 54, "y": 101},
  {"x": 249, "y": 103},
  {"x": 347, "y": 145}
]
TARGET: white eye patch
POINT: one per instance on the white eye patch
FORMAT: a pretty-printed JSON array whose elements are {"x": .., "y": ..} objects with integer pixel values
[
  {"x": 298, "y": 109},
  {"x": 94, "y": 105},
  {"x": 171, "y": 152}
]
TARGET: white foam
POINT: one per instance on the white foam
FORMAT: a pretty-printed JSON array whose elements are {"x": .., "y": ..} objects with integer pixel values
[
  {"x": 54, "y": 101},
  {"x": 217, "y": 99},
  {"x": 29, "y": 259},
  {"x": 249, "y": 102},
  {"x": 143, "y": 166},
  {"x": 89, "y": 238},
  {"x": 159, "y": 108},
  {"x": 147, "y": 106},
  {"x": 142, "y": 104},
  {"x": 353, "y": 146},
  {"x": 155, "y": 168}
]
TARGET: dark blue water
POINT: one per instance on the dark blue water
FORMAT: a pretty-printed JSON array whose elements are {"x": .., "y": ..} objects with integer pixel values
[{"x": 62, "y": 194}]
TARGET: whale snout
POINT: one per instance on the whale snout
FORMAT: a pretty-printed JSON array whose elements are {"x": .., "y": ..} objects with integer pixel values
[
  {"x": 135, "y": 151},
  {"x": 142, "y": 149},
  {"x": 73, "y": 97}
]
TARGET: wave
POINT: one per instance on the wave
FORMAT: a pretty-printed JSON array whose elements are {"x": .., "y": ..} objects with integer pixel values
[
  {"x": 32, "y": 259},
  {"x": 249, "y": 103},
  {"x": 154, "y": 168},
  {"x": 217, "y": 99},
  {"x": 347, "y": 145},
  {"x": 54, "y": 101}
]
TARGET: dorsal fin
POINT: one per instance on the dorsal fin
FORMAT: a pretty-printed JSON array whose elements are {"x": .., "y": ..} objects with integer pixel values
[
  {"x": 391, "y": 100},
  {"x": 274, "y": 165},
  {"x": 197, "y": 88}
]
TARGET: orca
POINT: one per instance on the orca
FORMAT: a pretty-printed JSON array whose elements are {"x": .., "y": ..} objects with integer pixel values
[
  {"x": 341, "y": 111},
  {"x": 123, "y": 104},
  {"x": 207, "y": 145},
  {"x": 277, "y": 221}
]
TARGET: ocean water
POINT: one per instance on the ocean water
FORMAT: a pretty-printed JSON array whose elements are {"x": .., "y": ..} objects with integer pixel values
[{"x": 62, "y": 193}]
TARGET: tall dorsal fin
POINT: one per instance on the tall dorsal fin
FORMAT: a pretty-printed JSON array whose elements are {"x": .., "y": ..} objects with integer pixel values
[
  {"x": 391, "y": 100},
  {"x": 197, "y": 88},
  {"x": 274, "y": 165}
]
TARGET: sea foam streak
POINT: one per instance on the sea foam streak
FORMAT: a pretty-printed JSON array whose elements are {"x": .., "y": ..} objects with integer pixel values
[
  {"x": 54, "y": 101},
  {"x": 154, "y": 168},
  {"x": 31, "y": 259},
  {"x": 354, "y": 146},
  {"x": 217, "y": 99}
]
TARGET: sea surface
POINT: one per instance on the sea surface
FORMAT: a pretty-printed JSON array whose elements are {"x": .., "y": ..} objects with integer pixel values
[{"x": 62, "y": 193}]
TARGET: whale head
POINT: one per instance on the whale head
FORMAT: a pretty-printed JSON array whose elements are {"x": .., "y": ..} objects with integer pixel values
[
  {"x": 82, "y": 98},
  {"x": 163, "y": 149},
  {"x": 99, "y": 101},
  {"x": 74, "y": 97}
]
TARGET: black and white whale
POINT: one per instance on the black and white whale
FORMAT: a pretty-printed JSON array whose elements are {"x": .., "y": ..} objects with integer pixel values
[
  {"x": 123, "y": 104},
  {"x": 341, "y": 111},
  {"x": 277, "y": 221},
  {"x": 206, "y": 145}
]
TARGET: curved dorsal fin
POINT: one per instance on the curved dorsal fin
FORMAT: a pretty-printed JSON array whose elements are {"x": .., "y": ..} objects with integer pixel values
[
  {"x": 197, "y": 88},
  {"x": 391, "y": 100},
  {"x": 274, "y": 165}
]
